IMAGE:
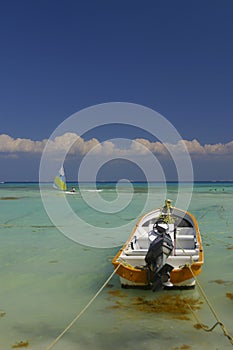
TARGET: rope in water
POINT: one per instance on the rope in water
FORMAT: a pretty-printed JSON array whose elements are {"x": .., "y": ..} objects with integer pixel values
[
  {"x": 83, "y": 310},
  {"x": 205, "y": 328},
  {"x": 201, "y": 325}
]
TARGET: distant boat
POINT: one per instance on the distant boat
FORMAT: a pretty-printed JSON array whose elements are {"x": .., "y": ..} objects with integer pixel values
[
  {"x": 164, "y": 250},
  {"x": 60, "y": 180}
]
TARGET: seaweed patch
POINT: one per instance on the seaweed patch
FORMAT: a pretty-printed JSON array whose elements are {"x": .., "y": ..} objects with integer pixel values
[
  {"x": 218, "y": 281},
  {"x": 182, "y": 347},
  {"x": 200, "y": 326},
  {"x": 229, "y": 295},
  {"x": 174, "y": 305},
  {"x": 117, "y": 293},
  {"x": 43, "y": 226},
  {"x": 9, "y": 198},
  {"x": 20, "y": 344}
]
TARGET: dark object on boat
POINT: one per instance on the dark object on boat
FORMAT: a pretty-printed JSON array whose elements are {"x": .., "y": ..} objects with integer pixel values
[
  {"x": 159, "y": 250},
  {"x": 161, "y": 278}
]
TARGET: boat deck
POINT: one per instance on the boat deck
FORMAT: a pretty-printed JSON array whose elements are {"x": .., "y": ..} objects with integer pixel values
[{"x": 186, "y": 248}]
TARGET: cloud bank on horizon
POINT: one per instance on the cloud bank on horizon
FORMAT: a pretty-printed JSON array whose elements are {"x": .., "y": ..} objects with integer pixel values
[{"x": 77, "y": 145}]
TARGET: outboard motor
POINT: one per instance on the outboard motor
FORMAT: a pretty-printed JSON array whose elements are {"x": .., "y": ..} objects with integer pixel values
[{"x": 160, "y": 248}]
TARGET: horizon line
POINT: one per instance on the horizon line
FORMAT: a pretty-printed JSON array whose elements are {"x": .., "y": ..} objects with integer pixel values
[{"x": 114, "y": 181}]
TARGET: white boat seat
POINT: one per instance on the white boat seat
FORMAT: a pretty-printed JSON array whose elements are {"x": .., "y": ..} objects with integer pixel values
[
  {"x": 178, "y": 252},
  {"x": 182, "y": 241},
  {"x": 177, "y": 261},
  {"x": 184, "y": 231},
  {"x": 183, "y": 252},
  {"x": 143, "y": 242},
  {"x": 140, "y": 239},
  {"x": 185, "y": 242},
  {"x": 142, "y": 252},
  {"x": 141, "y": 230},
  {"x": 131, "y": 257},
  {"x": 134, "y": 260}
]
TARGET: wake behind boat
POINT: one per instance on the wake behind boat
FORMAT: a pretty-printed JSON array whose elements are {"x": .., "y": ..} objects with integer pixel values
[{"x": 164, "y": 249}]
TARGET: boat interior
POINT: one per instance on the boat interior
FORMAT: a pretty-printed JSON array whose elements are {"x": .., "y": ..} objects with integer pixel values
[{"x": 183, "y": 235}]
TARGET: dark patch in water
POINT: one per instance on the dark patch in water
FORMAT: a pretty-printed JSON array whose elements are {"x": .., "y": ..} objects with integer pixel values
[
  {"x": 230, "y": 247},
  {"x": 182, "y": 347},
  {"x": 10, "y": 198},
  {"x": 117, "y": 293},
  {"x": 49, "y": 226},
  {"x": 116, "y": 306},
  {"x": 53, "y": 261},
  {"x": 219, "y": 281},
  {"x": 229, "y": 295},
  {"x": 175, "y": 305},
  {"x": 183, "y": 318},
  {"x": 140, "y": 190},
  {"x": 200, "y": 326},
  {"x": 2, "y": 313},
  {"x": 21, "y": 344}
]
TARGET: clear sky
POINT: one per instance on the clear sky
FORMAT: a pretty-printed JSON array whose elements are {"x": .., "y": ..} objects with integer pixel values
[{"x": 60, "y": 56}]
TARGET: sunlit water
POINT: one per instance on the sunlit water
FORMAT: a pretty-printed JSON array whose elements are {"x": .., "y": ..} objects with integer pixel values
[{"x": 47, "y": 279}]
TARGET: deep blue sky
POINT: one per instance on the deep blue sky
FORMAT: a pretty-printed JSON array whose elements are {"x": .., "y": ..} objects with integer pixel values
[{"x": 58, "y": 57}]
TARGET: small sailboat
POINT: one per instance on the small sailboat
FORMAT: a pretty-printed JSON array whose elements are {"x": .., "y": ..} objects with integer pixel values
[
  {"x": 164, "y": 250},
  {"x": 60, "y": 180},
  {"x": 60, "y": 183}
]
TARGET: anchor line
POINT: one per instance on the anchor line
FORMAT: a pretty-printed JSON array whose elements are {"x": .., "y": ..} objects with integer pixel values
[
  {"x": 83, "y": 310},
  {"x": 225, "y": 331},
  {"x": 206, "y": 328}
]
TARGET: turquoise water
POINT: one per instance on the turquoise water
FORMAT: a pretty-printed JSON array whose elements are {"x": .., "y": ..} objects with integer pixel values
[{"x": 47, "y": 279}]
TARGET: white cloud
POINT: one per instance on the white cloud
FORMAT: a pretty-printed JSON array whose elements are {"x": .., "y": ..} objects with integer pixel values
[
  {"x": 8, "y": 144},
  {"x": 194, "y": 147},
  {"x": 71, "y": 142},
  {"x": 154, "y": 147},
  {"x": 77, "y": 145}
]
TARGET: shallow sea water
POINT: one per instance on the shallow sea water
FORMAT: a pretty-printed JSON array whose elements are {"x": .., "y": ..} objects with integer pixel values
[{"x": 47, "y": 279}]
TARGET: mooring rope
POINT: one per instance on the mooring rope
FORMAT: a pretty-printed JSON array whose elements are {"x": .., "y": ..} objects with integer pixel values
[
  {"x": 201, "y": 325},
  {"x": 83, "y": 310},
  {"x": 206, "y": 328}
]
